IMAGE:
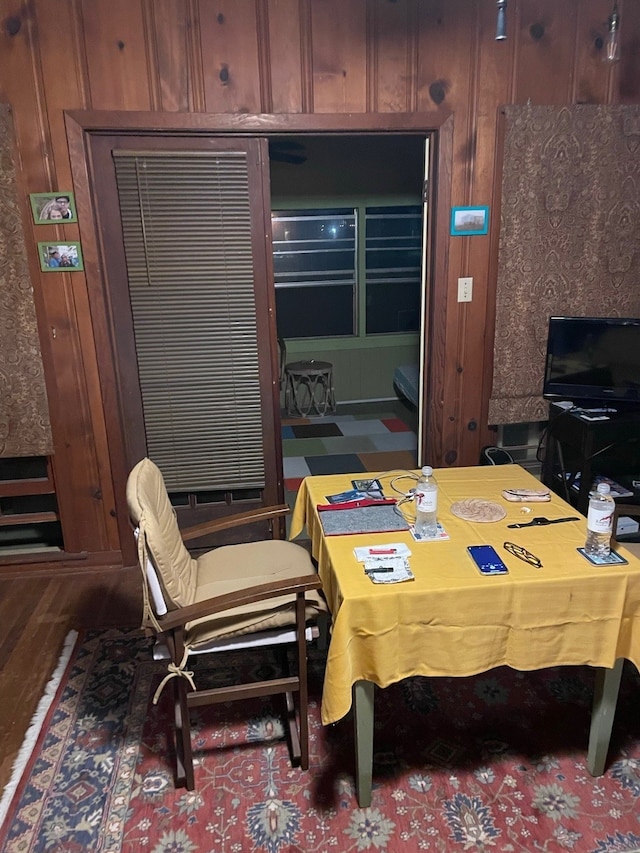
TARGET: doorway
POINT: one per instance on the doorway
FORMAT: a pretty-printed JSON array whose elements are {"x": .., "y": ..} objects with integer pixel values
[
  {"x": 347, "y": 231},
  {"x": 87, "y": 132}
]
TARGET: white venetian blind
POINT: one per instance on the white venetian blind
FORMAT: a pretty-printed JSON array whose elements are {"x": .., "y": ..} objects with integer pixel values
[{"x": 187, "y": 237}]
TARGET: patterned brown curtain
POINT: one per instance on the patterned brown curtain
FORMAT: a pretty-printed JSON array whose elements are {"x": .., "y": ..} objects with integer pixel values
[
  {"x": 24, "y": 414},
  {"x": 569, "y": 237}
]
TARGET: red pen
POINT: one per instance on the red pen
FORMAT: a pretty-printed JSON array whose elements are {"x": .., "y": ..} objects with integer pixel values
[{"x": 382, "y": 550}]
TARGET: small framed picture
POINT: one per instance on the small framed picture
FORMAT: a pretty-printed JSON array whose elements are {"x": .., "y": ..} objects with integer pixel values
[
  {"x": 53, "y": 207},
  {"x": 466, "y": 221},
  {"x": 60, "y": 257},
  {"x": 372, "y": 488}
]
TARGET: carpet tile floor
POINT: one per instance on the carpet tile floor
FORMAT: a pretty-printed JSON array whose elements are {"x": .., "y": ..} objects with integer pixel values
[{"x": 355, "y": 440}]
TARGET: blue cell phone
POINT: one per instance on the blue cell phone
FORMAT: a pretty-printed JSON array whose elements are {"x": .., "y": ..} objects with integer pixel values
[{"x": 487, "y": 560}]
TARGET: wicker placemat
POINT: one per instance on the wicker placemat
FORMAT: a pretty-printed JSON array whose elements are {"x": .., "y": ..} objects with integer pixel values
[{"x": 478, "y": 509}]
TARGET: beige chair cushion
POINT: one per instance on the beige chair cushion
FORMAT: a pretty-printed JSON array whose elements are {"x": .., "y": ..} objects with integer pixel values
[
  {"x": 185, "y": 580},
  {"x": 176, "y": 569},
  {"x": 236, "y": 567}
]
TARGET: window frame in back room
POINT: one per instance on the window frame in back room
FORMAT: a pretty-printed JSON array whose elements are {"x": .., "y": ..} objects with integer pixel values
[{"x": 369, "y": 303}]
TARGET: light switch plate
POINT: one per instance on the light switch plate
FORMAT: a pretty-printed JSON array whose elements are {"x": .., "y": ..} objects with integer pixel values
[{"x": 465, "y": 289}]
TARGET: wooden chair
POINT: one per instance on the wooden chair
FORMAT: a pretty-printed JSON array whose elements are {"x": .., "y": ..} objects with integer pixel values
[{"x": 238, "y": 596}]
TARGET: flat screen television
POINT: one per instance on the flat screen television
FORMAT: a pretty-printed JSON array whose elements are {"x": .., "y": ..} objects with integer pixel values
[{"x": 592, "y": 361}]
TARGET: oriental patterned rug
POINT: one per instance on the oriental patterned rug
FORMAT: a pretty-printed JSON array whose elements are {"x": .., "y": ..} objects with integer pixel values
[{"x": 495, "y": 762}]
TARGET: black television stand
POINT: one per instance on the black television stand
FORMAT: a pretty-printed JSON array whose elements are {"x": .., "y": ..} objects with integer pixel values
[{"x": 581, "y": 446}]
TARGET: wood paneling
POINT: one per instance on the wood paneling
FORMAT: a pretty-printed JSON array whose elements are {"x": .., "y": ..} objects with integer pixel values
[
  {"x": 451, "y": 85},
  {"x": 546, "y": 37},
  {"x": 117, "y": 55},
  {"x": 229, "y": 47},
  {"x": 73, "y": 345},
  {"x": 59, "y": 35},
  {"x": 169, "y": 28},
  {"x": 339, "y": 56},
  {"x": 495, "y": 63},
  {"x": 284, "y": 56},
  {"x": 626, "y": 82},
  {"x": 393, "y": 56},
  {"x": 289, "y": 58},
  {"x": 78, "y": 438},
  {"x": 590, "y": 85}
]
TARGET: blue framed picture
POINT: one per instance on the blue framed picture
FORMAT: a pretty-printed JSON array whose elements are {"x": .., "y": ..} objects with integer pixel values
[{"x": 466, "y": 221}]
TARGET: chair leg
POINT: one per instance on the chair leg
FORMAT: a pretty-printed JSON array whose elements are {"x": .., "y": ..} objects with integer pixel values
[
  {"x": 304, "y": 716},
  {"x": 295, "y": 747},
  {"x": 184, "y": 753},
  {"x": 291, "y": 716},
  {"x": 303, "y": 692},
  {"x": 298, "y": 718}
]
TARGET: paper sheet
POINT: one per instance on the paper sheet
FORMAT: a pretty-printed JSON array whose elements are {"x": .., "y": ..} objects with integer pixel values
[{"x": 400, "y": 569}]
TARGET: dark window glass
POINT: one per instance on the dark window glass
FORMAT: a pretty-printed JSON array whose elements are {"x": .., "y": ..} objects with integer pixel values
[
  {"x": 314, "y": 261},
  {"x": 315, "y": 312},
  {"x": 393, "y": 309},
  {"x": 393, "y": 264}
]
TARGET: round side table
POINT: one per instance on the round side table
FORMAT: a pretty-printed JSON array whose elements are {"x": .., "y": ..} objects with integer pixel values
[{"x": 309, "y": 388}]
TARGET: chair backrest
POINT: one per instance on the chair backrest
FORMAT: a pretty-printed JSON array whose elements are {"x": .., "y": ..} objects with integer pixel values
[{"x": 159, "y": 535}]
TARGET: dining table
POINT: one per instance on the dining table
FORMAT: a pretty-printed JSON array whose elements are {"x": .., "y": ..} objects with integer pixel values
[{"x": 450, "y": 620}]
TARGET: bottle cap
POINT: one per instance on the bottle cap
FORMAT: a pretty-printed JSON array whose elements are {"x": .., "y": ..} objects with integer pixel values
[
  {"x": 603, "y": 488},
  {"x": 427, "y": 470}
]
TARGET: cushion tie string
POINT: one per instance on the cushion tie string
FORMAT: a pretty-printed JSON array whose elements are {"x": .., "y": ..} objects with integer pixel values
[{"x": 175, "y": 671}]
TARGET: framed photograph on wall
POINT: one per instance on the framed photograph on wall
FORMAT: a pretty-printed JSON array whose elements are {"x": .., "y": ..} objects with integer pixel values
[
  {"x": 60, "y": 257},
  {"x": 466, "y": 221},
  {"x": 53, "y": 207}
]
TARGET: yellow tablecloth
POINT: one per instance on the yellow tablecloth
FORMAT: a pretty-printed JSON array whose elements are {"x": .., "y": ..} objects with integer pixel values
[{"x": 453, "y": 621}]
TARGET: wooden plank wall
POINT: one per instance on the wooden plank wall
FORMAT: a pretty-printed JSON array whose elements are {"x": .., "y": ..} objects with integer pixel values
[{"x": 289, "y": 56}]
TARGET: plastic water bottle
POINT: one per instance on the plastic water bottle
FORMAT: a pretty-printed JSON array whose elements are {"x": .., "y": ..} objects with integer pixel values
[
  {"x": 600, "y": 522},
  {"x": 426, "y": 504}
]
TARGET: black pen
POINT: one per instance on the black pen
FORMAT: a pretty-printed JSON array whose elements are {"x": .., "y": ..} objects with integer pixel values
[{"x": 378, "y": 569}]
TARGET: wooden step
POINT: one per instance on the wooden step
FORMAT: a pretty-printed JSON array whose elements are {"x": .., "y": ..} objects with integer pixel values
[{"x": 27, "y": 518}]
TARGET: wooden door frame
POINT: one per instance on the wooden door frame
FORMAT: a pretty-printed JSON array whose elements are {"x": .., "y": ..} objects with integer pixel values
[{"x": 84, "y": 125}]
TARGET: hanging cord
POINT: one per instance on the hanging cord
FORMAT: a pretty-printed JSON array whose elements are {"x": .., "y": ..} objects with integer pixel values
[
  {"x": 400, "y": 474},
  {"x": 406, "y": 495},
  {"x": 542, "y": 444}
]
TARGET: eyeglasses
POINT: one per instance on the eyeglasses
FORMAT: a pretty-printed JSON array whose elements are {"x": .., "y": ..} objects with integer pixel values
[{"x": 523, "y": 554}]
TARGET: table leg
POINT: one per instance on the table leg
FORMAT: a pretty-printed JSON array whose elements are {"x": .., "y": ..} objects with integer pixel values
[
  {"x": 605, "y": 698},
  {"x": 363, "y": 729}
]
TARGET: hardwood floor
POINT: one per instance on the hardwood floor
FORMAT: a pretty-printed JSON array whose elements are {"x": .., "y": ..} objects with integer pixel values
[{"x": 36, "y": 614}]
